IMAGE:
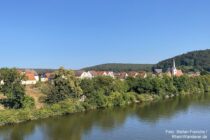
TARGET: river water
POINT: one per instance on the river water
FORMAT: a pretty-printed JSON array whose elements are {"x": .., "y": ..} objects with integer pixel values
[{"x": 190, "y": 115}]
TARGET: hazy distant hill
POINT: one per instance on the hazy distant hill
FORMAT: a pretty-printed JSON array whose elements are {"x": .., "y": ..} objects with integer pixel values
[
  {"x": 191, "y": 61},
  {"x": 39, "y": 71},
  {"x": 196, "y": 60},
  {"x": 117, "y": 67}
]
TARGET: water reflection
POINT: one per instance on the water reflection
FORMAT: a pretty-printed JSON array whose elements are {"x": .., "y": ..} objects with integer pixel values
[{"x": 73, "y": 127}]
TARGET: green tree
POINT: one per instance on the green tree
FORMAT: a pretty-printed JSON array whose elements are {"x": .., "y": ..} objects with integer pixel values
[
  {"x": 64, "y": 85},
  {"x": 120, "y": 86},
  {"x": 169, "y": 85},
  {"x": 104, "y": 84},
  {"x": 98, "y": 100},
  {"x": 87, "y": 86},
  {"x": 11, "y": 87},
  {"x": 182, "y": 83}
]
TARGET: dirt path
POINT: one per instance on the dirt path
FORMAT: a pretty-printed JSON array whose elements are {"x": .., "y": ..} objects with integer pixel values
[{"x": 36, "y": 94}]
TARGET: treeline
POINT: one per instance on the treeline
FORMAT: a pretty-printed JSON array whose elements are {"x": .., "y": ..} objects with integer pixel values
[
  {"x": 192, "y": 61},
  {"x": 105, "y": 91},
  {"x": 101, "y": 91},
  {"x": 116, "y": 67}
]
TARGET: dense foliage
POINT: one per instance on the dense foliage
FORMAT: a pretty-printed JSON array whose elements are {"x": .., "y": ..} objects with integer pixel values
[
  {"x": 63, "y": 85},
  {"x": 116, "y": 67},
  {"x": 169, "y": 85},
  {"x": 107, "y": 91},
  {"x": 192, "y": 61},
  {"x": 103, "y": 91},
  {"x": 11, "y": 86}
]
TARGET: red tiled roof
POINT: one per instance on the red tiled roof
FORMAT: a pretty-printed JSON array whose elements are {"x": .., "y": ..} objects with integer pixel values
[
  {"x": 121, "y": 75},
  {"x": 93, "y": 73},
  {"x": 30, "y": 76},
  {"x": 79, "y": 72},
  {"x": 100, "y": 73},
  {"x": 179, "y": 73},
  {"x": 132, "y": 74}
]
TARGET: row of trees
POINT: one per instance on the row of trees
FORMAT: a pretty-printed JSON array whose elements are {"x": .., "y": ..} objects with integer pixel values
[
  {"x": 99, "y": 91},
  {"x": 102, "y": 91},
  {"x": 169, "y": 85}
]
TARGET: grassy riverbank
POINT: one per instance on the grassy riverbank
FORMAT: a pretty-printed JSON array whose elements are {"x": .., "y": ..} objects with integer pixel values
[{"x": 68, "y": 106}]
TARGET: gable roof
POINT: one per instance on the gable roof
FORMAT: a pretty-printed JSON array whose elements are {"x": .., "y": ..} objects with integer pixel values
[
  {"x": 142, "y": 74},
  {"x": 121, "y": 75},
  {"x": 79, "y": 72},
  {"x": 158, "y": 71},
  {"x": 31, "y": 71},
  {"x": 132, "y": 73},
  {"x": 179, "y": 73},
  {"x": 30, "y": 76},
  {"x": 93, "y": 73}
]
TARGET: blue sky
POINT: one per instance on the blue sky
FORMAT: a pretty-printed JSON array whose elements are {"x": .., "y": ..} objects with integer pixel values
[{"x": 79, "y": 33}]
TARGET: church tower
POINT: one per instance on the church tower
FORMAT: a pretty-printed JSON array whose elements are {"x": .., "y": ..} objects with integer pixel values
[{"x": 174, "y": 70}]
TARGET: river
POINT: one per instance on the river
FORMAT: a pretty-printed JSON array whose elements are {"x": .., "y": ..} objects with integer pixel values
[{"x": 156, "y": 121}]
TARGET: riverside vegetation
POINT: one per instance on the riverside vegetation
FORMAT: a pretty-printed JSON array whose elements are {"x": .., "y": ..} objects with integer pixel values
[{"x": 66, "y": 94}]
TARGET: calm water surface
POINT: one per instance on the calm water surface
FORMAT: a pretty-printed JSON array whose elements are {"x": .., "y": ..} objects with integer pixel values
[{"x": 135, "y": 122}]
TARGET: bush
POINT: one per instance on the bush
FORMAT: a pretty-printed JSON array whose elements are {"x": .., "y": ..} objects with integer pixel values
[
  {"x": 144, "y": 97},
  {"x": 98, "y": 100},
  {"x": 129, "y": 97},
  {"x": 71, "y": 106},
  {"x": 116, "y": 99},
  {"x": 28, "y": 102}
]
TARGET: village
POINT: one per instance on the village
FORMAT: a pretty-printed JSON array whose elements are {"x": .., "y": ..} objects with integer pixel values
[{"x": 32, "y": 77}]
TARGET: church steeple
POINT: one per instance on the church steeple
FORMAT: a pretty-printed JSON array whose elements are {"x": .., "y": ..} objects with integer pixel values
[
  {"x": 174, "y": 70},
  {"x": 174, "y": 63}
]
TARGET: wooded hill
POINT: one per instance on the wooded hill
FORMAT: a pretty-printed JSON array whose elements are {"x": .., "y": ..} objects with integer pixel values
[
  {"x": 117, "y": 67},
  {"x": 192, "y": 61}
]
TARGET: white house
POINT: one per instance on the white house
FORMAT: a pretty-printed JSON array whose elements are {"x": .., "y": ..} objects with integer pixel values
[
  {"x": 110, "y": 73},
  {"x": 82, "y": 74},
  {"x": 43, "y": 78},
  {"x": 121, "y": 75},
  {"x": 31, "y": 78}
]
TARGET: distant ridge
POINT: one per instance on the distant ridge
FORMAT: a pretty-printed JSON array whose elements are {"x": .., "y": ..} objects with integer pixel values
[
  {"x": 117, "y": 67},
  {"x": 192, "y": 61},
  {"x": 39, "y": 70}
]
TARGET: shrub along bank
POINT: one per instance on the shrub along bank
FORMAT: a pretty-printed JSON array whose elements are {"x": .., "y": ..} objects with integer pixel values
[{"x": 69, "y": 106}]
